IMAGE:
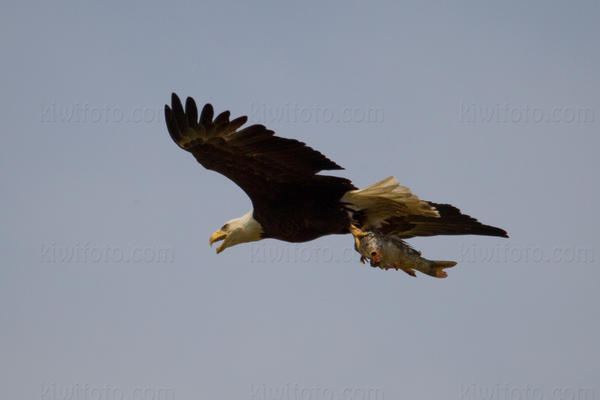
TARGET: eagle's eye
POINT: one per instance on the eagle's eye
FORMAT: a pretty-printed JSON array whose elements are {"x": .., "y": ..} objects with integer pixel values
[{"x": 373, "y": 253}]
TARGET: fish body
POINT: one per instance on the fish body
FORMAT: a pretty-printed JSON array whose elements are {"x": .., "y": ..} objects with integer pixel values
[{"x": 389, "y": 251}]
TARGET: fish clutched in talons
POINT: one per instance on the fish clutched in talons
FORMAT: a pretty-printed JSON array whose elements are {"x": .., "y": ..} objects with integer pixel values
[{"x": 390, "y": 252}]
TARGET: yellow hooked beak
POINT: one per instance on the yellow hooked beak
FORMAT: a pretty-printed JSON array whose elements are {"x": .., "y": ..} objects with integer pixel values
[{"x": 215, "y": 237}]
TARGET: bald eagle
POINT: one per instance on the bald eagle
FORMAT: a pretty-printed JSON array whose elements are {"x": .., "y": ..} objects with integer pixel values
[{"x": 290, "y": 200}]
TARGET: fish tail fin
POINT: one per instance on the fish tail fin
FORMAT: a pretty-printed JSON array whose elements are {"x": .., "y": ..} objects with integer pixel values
[{"x": 436, "y": 268}]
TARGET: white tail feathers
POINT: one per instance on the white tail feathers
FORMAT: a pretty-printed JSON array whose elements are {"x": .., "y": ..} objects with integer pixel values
[{"x": 385, "y": 199}]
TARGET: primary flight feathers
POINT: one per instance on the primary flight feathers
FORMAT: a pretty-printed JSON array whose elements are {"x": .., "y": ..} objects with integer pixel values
[{"x": 219, "y": 142}]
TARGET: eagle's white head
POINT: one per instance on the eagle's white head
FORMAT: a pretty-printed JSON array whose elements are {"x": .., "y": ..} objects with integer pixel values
[{"x": 238, "y": 230}]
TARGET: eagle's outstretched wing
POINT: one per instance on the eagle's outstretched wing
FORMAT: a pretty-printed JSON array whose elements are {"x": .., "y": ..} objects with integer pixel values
[
  {"x": 253, "y": 157},
  {"x": 450, "y": 222}
]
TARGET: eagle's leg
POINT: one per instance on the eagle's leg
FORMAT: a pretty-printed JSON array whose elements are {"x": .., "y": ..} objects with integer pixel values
[{"x": 358, "y": 234}]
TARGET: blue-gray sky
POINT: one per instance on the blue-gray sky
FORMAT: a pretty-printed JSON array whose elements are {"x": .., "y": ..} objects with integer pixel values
[{"x": 108, "y": 286}]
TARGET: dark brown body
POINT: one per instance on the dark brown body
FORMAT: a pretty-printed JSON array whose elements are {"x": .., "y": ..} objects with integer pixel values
[{"x": 303, "y": 212}]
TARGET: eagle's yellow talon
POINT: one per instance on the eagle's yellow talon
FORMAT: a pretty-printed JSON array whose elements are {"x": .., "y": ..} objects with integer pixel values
[{"x": 357, "y": 232}]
